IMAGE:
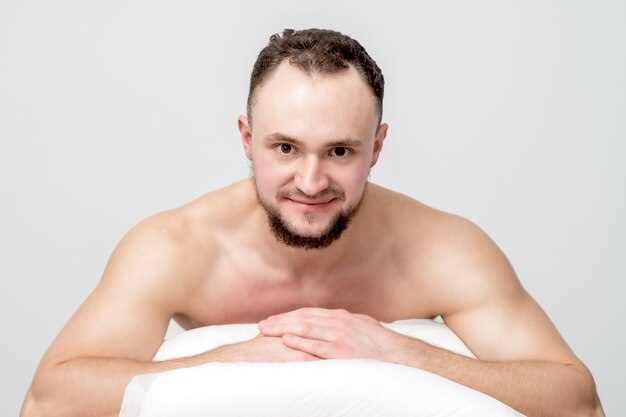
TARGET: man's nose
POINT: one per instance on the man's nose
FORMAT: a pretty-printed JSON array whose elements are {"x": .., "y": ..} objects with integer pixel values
[{"x": 310, "y": 178}]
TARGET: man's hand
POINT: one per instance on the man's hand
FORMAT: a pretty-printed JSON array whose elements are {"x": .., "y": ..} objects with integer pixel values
[
  {"x": 260, "y": 349},
  {"x": 334, "y": 334}
]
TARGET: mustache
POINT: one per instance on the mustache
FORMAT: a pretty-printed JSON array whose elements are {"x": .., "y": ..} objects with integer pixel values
[{"x": 295, "y": 192}]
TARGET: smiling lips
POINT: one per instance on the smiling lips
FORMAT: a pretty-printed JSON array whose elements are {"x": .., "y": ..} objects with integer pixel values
[
  {"x": 312, "y": 202},
  {"x": 310, "y": 205}
]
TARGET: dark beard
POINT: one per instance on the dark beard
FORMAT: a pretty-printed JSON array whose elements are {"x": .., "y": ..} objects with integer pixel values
[
  {"x": 282, "y": 232},
  {"x": 286, "y": 236}
]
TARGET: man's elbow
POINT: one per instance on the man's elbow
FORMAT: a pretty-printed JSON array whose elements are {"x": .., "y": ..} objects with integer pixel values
[
  {"x": 34, "y": 407},
  {"x": 42, "y": 400},
  {"x": 591, "y": 405},
  {"x": 592, "y": 410}
]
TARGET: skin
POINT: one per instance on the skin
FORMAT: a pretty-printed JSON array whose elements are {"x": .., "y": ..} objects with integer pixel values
[{"x": 215, "y": 261}]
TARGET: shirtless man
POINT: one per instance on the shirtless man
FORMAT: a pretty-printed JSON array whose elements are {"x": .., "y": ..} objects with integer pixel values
[{"x": 317, "y": 255}]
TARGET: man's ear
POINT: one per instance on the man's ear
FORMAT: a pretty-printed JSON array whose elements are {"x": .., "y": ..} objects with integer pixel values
[
  {"x": 378, "y": 142},
  {"x": 246, "y": 135}
]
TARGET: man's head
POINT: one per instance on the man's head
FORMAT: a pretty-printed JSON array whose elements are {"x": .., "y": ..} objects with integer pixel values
[
  {"x": 316, "y": 51},
  {"x": 316, "y": 101}
]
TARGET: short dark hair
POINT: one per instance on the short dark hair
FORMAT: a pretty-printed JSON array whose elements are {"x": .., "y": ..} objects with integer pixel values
[{"x": 316, "y": 51}]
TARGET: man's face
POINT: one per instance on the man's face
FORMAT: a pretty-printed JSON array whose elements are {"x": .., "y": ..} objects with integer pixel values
[{"x": 312, "y": 143}]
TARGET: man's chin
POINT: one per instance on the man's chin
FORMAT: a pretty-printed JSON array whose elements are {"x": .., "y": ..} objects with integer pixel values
[
  {"x": 307, "y": 237},
  {"x": 308, "y": 233}
]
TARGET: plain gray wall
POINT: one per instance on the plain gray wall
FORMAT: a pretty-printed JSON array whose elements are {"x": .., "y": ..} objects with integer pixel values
[{"x": 509, "y": 113}]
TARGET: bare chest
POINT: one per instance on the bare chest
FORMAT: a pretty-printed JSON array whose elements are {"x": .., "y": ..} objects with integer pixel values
[{"x": 240, "y": 292}]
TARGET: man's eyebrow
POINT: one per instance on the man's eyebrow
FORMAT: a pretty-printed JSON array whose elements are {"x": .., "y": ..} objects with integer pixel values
[
  {"x": 345, "y": 142},
  {"x": 279, "y": 137}
]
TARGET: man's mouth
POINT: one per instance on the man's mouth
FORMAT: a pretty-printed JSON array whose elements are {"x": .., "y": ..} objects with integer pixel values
[
  {"x": 312, "y": 202},
  {"x": 311, "y": 205}
]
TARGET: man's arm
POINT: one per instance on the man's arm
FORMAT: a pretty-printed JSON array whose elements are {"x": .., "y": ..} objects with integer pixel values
[
  {"x": 94, "y": 386},
  {"x": 536, "y": 388},
  {"x": 116, "y": 332},
  {"x": 522, "y": 359}
]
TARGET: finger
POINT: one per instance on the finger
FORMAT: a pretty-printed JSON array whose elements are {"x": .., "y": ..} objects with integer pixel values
[
  {"x": 306, "y": 311},
  {"x": 367, "y": 318},
  {"x": 316, "y": 348},
  {"x": 310, "y": 328},
  {"x": 338, "y": 316},
  {"x": 320, "y": 348},
  {"x": 275, "y": 325}
]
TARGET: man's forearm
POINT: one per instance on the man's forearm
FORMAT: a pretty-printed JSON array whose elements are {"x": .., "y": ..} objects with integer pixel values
[
  {"x": 94, "y": 387},
  {"x": 534, "y": 388},
  {"x": 90, "y": 386}
]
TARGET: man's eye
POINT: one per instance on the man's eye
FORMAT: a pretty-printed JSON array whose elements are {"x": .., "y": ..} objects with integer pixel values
[
  {"x": 339, "y": 151},
  {"x": 285, "y": 148}
]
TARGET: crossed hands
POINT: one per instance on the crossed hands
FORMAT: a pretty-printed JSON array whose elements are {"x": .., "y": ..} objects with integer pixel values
[{"x": 318, "y": 333}]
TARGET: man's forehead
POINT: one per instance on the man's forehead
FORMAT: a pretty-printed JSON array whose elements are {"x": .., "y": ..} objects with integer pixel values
[
  {"x": 287, "y": 73},
  {"x": 329, "y": 106},
  {"x": 290, "y": 89}
]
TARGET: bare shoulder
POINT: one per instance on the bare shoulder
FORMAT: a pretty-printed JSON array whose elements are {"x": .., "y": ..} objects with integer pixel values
[
  {"x": 470, "y": 267},
  {"x": 472, "y": 285},
  {"x": 179, "y": 245},
  {"x": 452, "y": 256},
  {"x": 193, "y": 224},
  {"x": 150, "y": 277}
]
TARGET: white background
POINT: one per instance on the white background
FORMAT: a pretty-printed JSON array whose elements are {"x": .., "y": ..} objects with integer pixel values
[{"x": 509, "y": 113}]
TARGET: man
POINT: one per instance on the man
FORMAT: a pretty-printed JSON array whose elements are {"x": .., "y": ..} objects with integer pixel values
[{"x": 315, "y": 254}]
